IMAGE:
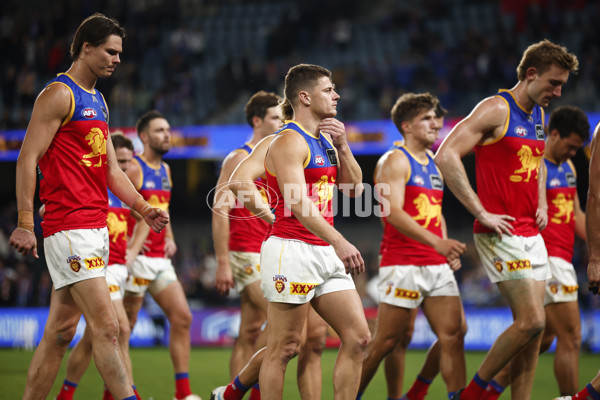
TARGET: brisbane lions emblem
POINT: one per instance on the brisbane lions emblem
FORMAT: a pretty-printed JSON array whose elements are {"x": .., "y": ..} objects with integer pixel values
[
  {"x": 279, "y": 283},
  {"x": 74, "y": 263}
]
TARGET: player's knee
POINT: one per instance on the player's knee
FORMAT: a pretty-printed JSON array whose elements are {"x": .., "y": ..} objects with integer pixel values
[
  {"x": 124, "y": 332},
  {"x": 315, "y": 344},
  {"x": 61, "y": 337},
  {"x": 532, "y": 326},
  {"x": 107, "y": 330},
  {"x": 405, "y": 340},
  {"x": 182, "y": 319}
]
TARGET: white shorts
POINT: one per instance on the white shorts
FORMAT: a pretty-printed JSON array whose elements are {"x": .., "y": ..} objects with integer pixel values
[
  {"x": 294, "y": 272},
  {"x": 562, "y": 286},
  {"x": 116, "y": 279},
  {"x": 407, "y": 286},
  {"x": 151, "y": 274},
  {"x": 245, "y": 267},
  {"x": 76, "y": 255},
  {"x": 513, "y": 257}
]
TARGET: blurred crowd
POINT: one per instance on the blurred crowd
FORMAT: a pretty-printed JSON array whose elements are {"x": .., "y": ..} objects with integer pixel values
[{"x": 196, "y": 61}]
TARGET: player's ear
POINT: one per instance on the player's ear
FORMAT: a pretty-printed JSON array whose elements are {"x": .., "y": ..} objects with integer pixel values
[{"x": 304, "y": 98}]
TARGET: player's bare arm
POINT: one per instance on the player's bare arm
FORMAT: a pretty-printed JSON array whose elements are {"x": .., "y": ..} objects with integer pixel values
[
  {"x": 393, "y": 170},
  {"x": 242, "y": 180},
  {"x": 484, "y": 124},
  {"x": 51, "y": 108},
  {"x": 593, "y": 217},
  {"x": 349, "y": 172},
  {"x": 118, "y": 183},
  {"x": 541, "y": 214},
  {"x": 580, "y": 218},
  {"x": 286, "y": 158},
  {"x": 220, "y": 222}
]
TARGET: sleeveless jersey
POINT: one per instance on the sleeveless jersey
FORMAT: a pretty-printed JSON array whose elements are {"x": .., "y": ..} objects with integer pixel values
[
  {"x": 73, "y": 170},
  {"x": 116, "y": 221},
  {"x": 156, "y": 189},
  {"x": 246, "y": 231},
  {"x": 561, "y": 186},
  {"x": 320, "y": 173},
  {"x": 507, "y": 168},
  {"x": 423, "y": 202}
]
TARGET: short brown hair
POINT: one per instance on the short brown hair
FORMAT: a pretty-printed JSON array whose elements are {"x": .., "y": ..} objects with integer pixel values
[
  {"x": 569, "y": 119},
  {"x": 144, "y": 121},
  {"x": 409, "y": 105},
  {"x": 95, "y": 29},
  {"x": 258, "y": 105},
  {"x": 119, "y": 140},
  {"x": 542, "y": 55},
  {"x": 302, "y": 77}
]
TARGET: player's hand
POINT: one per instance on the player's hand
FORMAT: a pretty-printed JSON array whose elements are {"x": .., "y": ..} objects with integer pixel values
[
  {"x": 541, "y": 218},
  {"x": 157, "y": 219},
  {"x": 24, "y": 241},
  {"x": 450, "y": 248},
  {"x": 170, "y": 247},
  {"x": 593, "y": 272},
  {"x": 454, "y": 263},
  {"x": 224, "y": 279},
  {"x": 335, "y": 129},
  {"x": 130, "y": 256},
  {"x": 499, "y": 223},
  {"x": 350, "y": 256}
]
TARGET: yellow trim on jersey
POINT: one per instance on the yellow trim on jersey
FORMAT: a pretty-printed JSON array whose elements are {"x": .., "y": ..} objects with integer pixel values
[
  {"x": 415, "y": 157},
  {"x": 505, "y": 129},
  {"x": 570, "y": 162},
  {"x": 543, "y": 120},
  {"x": 77, "y": 83},
  {"x": 269, "y": 171},
  {"x": 150, "y": 165},
  {"x": 304, "y": 130},
  {"x": 138, "y": 186},
  {"x": 516, "y": 102},
  {"x": 168, "y": 169},
  {"x": 72, "y": 109},
  {"x": 409, "y": 167},
  {"x": 106, "y": 104}
]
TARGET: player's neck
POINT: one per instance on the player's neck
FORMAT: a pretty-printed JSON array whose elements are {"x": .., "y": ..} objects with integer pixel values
[
  {"x": 520, "y": 94},
  {"x": 82, "y": 75},
  {"x": 309, "y": 122},
  {"x": 257, "y": 136},
  {"x": 416, "y": 148},
  {"x": 152, "y": 157}
]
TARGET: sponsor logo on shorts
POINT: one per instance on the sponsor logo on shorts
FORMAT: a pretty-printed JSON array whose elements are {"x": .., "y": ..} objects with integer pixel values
[
  {"x": 279, "y": 283},
  {"x": 248, "y": 269},
  {"x": 301, "y": 288},
  {"x": 498, "y": 264},
  {"x": 569, "y": 289},
  {"x": 113, "y": 288},
  {"x": 518, "y": 265},
  {"x": 73, "y": 262},
  {"x": 141, "y": 281},
  {"x": 407, "y": 294},
  {"x": 553, "y": 288},
  {"x": 94, "y": 263}
]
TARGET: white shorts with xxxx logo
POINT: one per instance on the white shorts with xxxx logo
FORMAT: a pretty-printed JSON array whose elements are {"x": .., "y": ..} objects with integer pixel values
[
  {"x": 294, "y": 272},
  {"x": 245, "y": 267},
  {"x": 562, "y": 287},
  {"x": 76, "y": 255}
]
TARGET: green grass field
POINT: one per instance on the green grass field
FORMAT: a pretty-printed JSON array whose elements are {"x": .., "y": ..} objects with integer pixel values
[{"x": 208, "y": 369}]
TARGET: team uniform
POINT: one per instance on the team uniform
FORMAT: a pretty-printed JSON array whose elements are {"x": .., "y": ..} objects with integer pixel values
[
  {"x": 151, "y": 270},
  {"x": 410, "y": 270},
  {"x": 72, "y": 176},
  {"x": 246, "y": 235},
  {"x": 507, "y": 183},
  {"x": 116, "y": 222},
  {"x": 296, "y": 264},
  {"x": 559, "y": 235}
]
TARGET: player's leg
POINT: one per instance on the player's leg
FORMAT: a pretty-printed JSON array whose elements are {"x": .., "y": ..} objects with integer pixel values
[
  {"x": 344, "y": 312},
  {"x": 58, "y": 333},
  {"x": 394, "y": 362},
  {"x": 243, "y": 382},
  {"x": 309, "y": 358},
  {"x": 124, "y": 335},
  {"x": 285, "y": 331},
  {"x": 445, "y": 318},
  {"x": 564, "y": 320},
  {"x": 253, "y": 310}
]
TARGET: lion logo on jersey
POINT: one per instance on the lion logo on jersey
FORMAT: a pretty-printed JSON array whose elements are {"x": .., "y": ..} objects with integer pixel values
[
  {"x": 529, "y": 162},
  {"x": 157, "y": 202},
  {"x": 97, "y": 142},
  {"x": 428, "y": 210},
  {"x": 565, "y": 209},
  {"x": 116, "y": 226},
  {"x": 323, "y": 190}
]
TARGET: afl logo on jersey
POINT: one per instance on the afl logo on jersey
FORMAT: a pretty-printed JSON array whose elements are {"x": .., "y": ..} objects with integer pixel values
[
  {"x": 89, "y": 113},
  {"x": 555, "y": 182},
  {"x": 319, "y": 160},
  {"x": 521, "y": 131},
  {"x": 419, "y": 181}
]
